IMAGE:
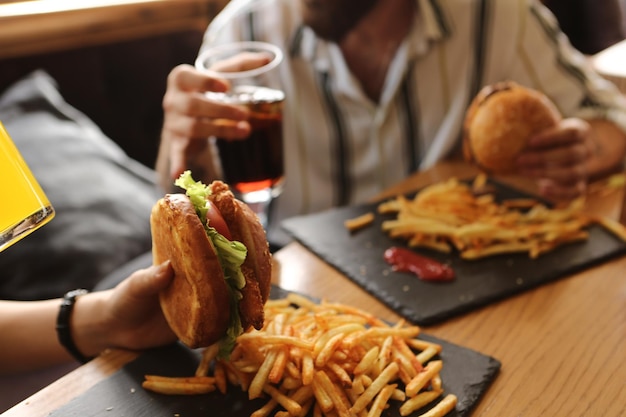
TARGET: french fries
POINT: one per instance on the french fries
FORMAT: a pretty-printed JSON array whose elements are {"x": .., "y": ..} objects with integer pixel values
[
  {"x": 326, "y": 359},
  {"x": 450, "y": 216},
  {"x": 359, "y": 222},
  {"x": 179, "y": 385}
]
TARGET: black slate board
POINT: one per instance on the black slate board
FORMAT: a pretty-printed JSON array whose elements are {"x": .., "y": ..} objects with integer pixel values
[
  {"x": 466, "y": 373},
  {"x": 359, "y": 256}
]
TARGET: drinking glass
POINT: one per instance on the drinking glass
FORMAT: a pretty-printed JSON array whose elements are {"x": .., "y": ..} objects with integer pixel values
[
  {"x": 252, "y": 167},
  {"x": 23, "y": 205}
]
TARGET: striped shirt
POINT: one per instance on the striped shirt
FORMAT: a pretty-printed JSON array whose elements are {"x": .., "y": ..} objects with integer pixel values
[{"x": 342, "y": 148}]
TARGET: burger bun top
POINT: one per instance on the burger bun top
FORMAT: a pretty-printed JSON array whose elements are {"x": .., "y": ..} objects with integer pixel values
[{"x": 499, "y": 122}]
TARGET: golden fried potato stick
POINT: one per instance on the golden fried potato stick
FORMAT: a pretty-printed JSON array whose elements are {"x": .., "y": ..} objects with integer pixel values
[
  {"x": 290, "y": 405},
  {"x": 367, "y": 361},
  {"x": 359, "y": 222},
  {"x": 333, "y": 359},
  {"x": 179, "y": 386},
  {"x": 380, "y": 402},
  {"x": 208, "y": 355},
  {"x": 443, "y": 407},
  {"x": 418, "y": 401},
  {"x": 420, "y": 380},
  {"x": 378, "y": 384},
  {"x": 450, "y": 215},
  {"x": 260, "y": 378}
]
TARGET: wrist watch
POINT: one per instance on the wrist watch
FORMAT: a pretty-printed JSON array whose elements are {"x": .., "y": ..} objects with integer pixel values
[{"x": 64, "y": 331}]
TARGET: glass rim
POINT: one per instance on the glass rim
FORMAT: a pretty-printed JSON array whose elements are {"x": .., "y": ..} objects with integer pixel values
[{"x": 244, "y": 45}]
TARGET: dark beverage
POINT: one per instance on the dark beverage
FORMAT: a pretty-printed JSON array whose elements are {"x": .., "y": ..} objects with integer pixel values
[{"x": 256, "y": 163}]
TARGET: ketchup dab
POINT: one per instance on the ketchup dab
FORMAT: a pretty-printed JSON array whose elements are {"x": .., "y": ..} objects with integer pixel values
[{"x": 405, "y": 260}]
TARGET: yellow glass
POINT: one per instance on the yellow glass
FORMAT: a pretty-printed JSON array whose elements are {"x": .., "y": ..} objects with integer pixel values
[{"x": 23, "y": 205}]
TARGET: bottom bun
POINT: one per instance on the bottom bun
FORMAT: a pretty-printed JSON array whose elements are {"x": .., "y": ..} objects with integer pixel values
[
  {"x": 196, "y": 304},
  {"x": 499, "y": 122}
]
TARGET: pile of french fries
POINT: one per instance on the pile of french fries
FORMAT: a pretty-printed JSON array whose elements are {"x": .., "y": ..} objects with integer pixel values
[
  {"x": 323, "y": 359},
  {"x": 453, "y": 215}
]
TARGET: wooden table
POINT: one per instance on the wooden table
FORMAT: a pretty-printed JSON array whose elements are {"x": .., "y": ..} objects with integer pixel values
[{"x": 562, "y": 346}]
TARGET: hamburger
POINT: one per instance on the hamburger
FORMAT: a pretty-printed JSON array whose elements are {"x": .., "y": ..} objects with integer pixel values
[
  {"x": 499, "y": 122},
  {"x": 221, "y": 261}
]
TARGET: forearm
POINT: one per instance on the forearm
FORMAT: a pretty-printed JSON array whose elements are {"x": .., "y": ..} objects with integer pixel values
[
  {"x": 29, "y": 337},
  {"x": 609, "y": 149},
  {"x": 163, "y": 165},
  {"x": 28, "y": 334},
  {"x": 200, "y": 160},
  {"x": 128, "y": 316}
]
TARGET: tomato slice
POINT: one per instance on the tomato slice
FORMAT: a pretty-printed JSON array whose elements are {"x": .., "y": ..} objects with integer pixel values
[{"x": 216, "y": 221}]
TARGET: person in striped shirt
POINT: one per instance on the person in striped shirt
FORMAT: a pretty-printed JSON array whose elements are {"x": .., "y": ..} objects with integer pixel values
[{"x": 376, "y": 90}]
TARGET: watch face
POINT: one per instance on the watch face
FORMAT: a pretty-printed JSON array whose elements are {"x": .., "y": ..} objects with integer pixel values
[{"x": 76, "y": 293}]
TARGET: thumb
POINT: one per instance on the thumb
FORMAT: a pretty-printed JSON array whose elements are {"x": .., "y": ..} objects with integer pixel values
[{"x": 151, "y": 280}]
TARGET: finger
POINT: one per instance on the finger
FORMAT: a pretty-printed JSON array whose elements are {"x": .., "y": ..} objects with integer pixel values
[
  {"x": 242, "y": 62},
  {"x": 566, "y": 133},
  {"x": 201, "y": 128},
  {"x": 558, "y": 156},
  {"x": 198, "y": 105},
  {"x": 559, "y": 192},
  {"x": 185, "y": 96},
  {"x": 560, "y": 174},
  {"x": 567, "y": 175},
  {"x": 151, "y": 280},
  {"x": 162, "y": 275},
  {"x": 227, "y": 129},
  {"x": 187, "y": 78}
]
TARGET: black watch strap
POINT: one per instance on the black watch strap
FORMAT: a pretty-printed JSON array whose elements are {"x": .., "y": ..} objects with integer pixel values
[{"x": 64, "y": 332}]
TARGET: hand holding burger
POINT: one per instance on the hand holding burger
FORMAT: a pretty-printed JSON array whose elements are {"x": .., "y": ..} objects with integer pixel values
[
  {"x": 221, "y": 261},
  {"x": 500, "y": 122},
  {"x": 511, "y": 129}
]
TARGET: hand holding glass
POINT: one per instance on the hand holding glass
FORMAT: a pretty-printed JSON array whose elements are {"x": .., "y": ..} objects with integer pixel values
[
  {"x": 23, "y": 205},
  {"x": 253, "y": 167}
]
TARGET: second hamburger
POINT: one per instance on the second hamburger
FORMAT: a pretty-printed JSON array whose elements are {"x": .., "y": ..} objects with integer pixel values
[{"x": 499, "y": 122}]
